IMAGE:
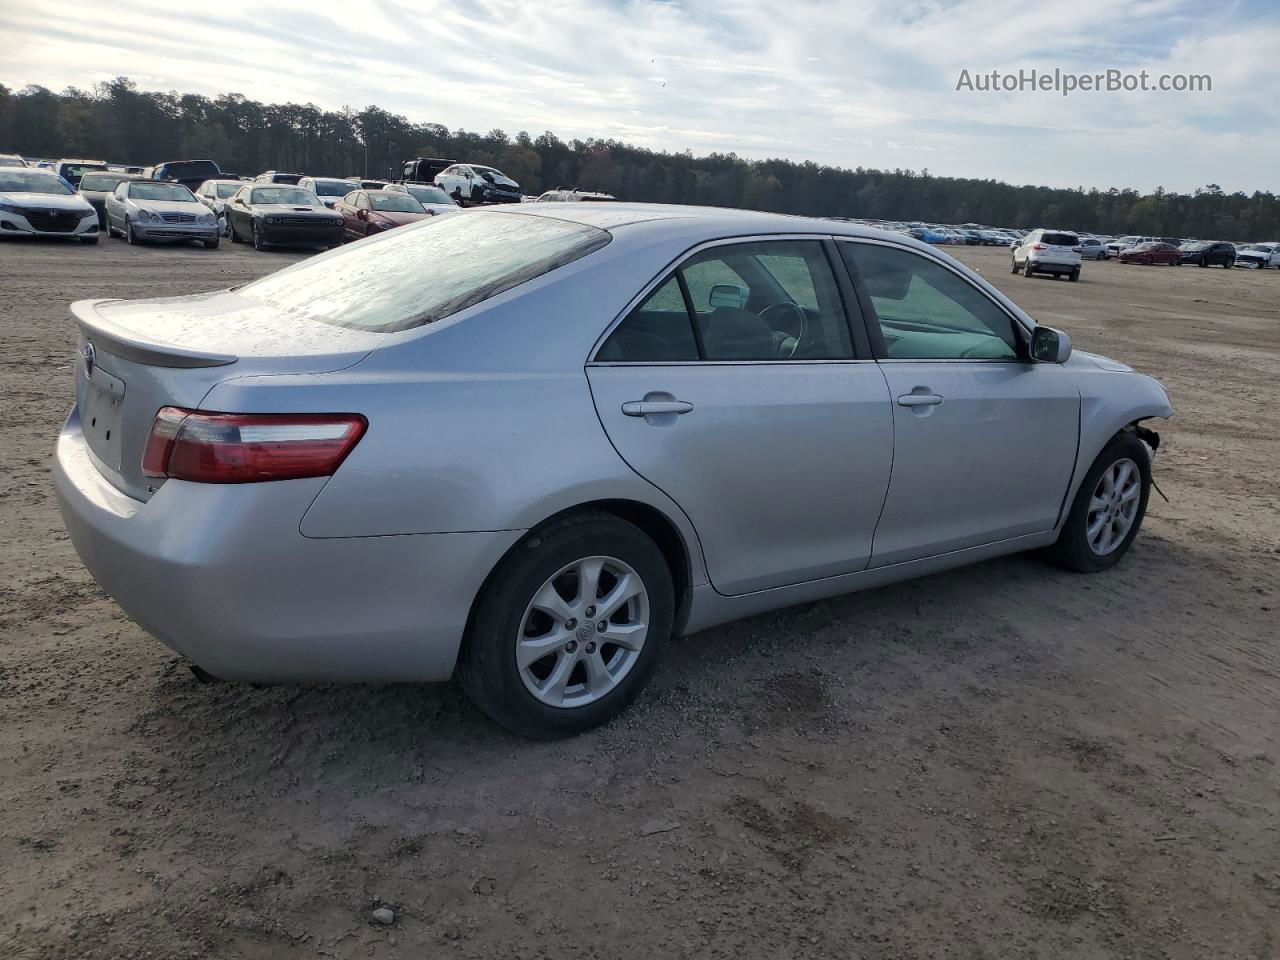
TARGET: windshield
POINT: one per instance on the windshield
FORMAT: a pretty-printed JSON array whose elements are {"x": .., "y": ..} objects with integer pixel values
[
  {"x": 333, "y": 188},
  {"x": 395, "y": 203},
  {"x": 284, "y": 195},
  {"x": 431, "y": 195},
  {"x": 225, "y": 190},
  {"x": 190, "y": 170},
  {"x": 141, "y": 190},
  {"x": 415, "y": 275},
  {"x": 18, "y": 181},
  {"x": 103, "y": 182}
]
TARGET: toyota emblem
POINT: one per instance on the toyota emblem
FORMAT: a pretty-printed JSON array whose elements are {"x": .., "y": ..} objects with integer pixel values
[{"x": 90, "y": 358}]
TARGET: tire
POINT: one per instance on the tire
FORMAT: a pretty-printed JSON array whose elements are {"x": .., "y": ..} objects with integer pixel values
[
  {"x": 1073, "y": 550},
  {"x": 130, "y": 237},
  {"x": 92, "y": 239},
  {"x": 1228, "y": 264},
  {"x": 1074, "y": 275},
  {"x": 487, "y": 664},
  {"x": 1027, "y": 269},
  {"x": 258, "y": 242},
  {"x": 1202, "y": 262},
  {"x": 1013, "y": 266},
  {"x": 211, "y": 244}
]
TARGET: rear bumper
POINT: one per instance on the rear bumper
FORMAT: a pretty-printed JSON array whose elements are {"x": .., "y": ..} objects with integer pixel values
[
  {"x": 1041, "y": 266},
  {"x": 222, "y": 575}
]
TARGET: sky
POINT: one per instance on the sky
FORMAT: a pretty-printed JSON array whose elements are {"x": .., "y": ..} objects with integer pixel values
[{"x": 856, "y": 83}]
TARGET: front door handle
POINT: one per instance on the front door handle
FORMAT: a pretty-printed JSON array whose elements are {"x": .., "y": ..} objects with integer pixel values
[
  {"x": 653, "y": 408},
  {"x": 919, "y": 400}
]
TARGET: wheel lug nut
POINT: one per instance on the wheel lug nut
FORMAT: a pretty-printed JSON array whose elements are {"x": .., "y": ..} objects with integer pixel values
[
  {"x": 602, "y": 626},
  {"x": 570, "y": 623},
  {"x": 590, "y": 611},
  {"x": 591, "y": 648},
  {"x": 571, "y": 646}
]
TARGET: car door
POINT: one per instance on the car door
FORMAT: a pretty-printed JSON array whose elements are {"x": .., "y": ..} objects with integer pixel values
[
  {"x": 736, "y": 388},
  {"x": 984, "y": 439},
  {"x": 347, "y": 208}
]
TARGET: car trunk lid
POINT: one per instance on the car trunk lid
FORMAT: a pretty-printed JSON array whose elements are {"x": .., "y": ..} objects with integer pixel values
[{"x": 138, "y": 356}]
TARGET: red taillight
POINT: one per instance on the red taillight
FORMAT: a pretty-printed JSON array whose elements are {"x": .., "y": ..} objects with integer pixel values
[
  {"x": 1037, "y": 246},
  {"x": 248, "y": 447}
]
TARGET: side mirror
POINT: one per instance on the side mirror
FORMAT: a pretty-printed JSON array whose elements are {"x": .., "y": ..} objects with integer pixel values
[
  {"x": 362, "y": 214},
  {"x": 727, "y": 295},
  {"x": 1049, "y": 345}
]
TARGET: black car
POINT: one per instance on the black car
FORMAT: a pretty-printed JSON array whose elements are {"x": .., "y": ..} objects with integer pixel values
[
  {"x": 265, "y": 214},
  {"x": 424, "y": 169},
  {"x": 1205, "y": 253},
  {"x": 189, "y": 173}
]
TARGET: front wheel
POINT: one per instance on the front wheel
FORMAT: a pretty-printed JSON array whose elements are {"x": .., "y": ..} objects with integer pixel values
[
  {"x": 1108, "y": 509},
  {"x": 569, "y": 627},
  {"x": 258, "y": 242},
  {"x": 211, "y": 244},
  {"x": 129, "y": 235}
]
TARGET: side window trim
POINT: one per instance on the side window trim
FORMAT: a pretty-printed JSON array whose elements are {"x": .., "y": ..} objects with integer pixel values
[
  {"x": 861, "y": 355},
  {"x": 1021, "y": 332}
]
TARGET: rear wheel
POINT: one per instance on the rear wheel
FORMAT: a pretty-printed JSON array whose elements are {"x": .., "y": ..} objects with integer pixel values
[
  {"x": 1075, "y": 275},
  {"x": 1108, "y": 509},
  {"x": 569, "y": 627},
  {"x": 1013, "y": 266},
  {"x": 1027, "y": 269},
  {"x": 1228, "y": 264}
]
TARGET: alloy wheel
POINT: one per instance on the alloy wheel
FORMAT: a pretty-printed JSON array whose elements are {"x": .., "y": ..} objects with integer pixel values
[
  {"x": 1113, "y": 507},
  {"x": 582, "y": 632}
]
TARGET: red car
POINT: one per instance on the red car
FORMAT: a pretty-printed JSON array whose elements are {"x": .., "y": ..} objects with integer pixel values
[
  {"x": 1152, "y": 252},
  {"x": 366, "y": 213}
]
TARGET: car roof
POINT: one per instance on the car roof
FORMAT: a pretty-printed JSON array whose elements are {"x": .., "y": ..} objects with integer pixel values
[{"x": 687, "y": 226}]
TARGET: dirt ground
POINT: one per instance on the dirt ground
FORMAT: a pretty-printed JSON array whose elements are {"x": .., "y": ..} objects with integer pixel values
[{"x": 1005, "y": 761}]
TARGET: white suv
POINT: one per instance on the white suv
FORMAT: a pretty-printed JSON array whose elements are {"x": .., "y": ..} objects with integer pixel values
[{"x": 1048, "y": 251}]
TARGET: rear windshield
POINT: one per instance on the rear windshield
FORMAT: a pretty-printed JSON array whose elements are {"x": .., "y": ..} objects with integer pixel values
[
  {"x": 426, "y": 272},
  {"x": 141, "y": 190},
  {"x": 225, "y": 190},
  {"x": 191, "y": 170},
  {"x": 18, "y": 180},
  {"x": 1060, "y": 239}
]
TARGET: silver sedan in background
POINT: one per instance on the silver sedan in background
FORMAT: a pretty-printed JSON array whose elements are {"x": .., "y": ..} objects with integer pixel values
[
  {"x": 142, "y": 211},
  {"x": 530, "y": 444}
]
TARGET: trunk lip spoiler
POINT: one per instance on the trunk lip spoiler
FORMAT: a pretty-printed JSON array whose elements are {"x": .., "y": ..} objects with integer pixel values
[{"x": 131, "y": 346}]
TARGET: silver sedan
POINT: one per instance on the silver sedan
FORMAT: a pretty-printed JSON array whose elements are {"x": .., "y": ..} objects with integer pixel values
[
  {"x": 150, "y": 210},
  {"x": 529, "y": 444}
]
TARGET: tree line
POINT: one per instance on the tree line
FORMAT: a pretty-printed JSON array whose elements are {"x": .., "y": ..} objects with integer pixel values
[{"x": 117, "y": 122}]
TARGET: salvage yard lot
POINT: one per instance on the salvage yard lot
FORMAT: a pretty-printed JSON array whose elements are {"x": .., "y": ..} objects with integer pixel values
[{"x": 1002, "y": 761}]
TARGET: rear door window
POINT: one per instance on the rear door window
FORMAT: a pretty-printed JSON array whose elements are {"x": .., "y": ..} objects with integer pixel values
[{"x": 771, "y": 300}]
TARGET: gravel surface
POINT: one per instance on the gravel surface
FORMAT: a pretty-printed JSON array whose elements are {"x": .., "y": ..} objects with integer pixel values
[{"x": 1005, "y": 761}]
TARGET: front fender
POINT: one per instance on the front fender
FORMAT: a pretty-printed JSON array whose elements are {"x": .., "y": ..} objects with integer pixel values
[{"x": 1109, "y": 402}]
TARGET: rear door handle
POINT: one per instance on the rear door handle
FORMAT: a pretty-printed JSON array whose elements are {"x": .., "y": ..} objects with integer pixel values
[
  {"x": 919, "y": 400},
  {"x": 650, "y": 408}
]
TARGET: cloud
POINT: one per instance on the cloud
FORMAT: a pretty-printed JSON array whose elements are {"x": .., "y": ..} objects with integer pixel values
[{"x": 868, "y": 84}]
